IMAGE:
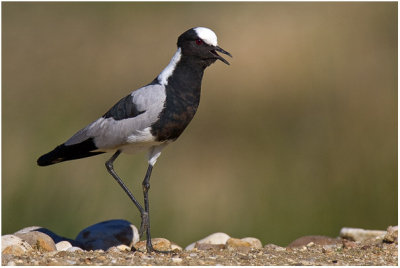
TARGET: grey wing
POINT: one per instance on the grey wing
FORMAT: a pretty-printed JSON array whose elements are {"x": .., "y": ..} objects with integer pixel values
[{"x": 128, "y": 121}]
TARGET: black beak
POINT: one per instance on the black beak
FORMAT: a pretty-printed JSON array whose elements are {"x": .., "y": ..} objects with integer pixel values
[{"x": 214, "y": 52}]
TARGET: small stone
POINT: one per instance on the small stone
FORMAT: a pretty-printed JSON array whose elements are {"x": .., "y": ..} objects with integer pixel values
[
  {"x": 160, "y": 244},
  {"x": 113, "y": 250},
  {"x": 349, "y": 244},
  {"x": 205, "y": 246},
  {"x": 71, "y": 262},
  {"x": 73, "y": 249},
  {"x": 63, "y": 245},
  {"x": 15, "y": 250},
  {"x": 274, "y": 247},
  {"x": 213, "y": 239},
  {"x": 238, "y": 245},
  {"x": 358, "y": 234},
  {"x": 176, "y": 259},
  {"x": 13, "y": 245},
  {"x": 102, "y": 258},
  {"x": 326, "y": 250},
  {"x": 175, "y": 247},
  {"x": 108, "y": 234},
  {"x": 391, "y": 235},
  {"x": 235, "y": 243},
  {"x": 38, "y": 240},
  {"x": 123, "y": 248},
  {"x": 254, "y": 242},
  {"x": 316, "y": 239}
]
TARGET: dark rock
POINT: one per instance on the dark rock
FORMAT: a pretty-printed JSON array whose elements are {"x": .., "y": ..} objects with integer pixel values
[{"x": 107, "y": 234}]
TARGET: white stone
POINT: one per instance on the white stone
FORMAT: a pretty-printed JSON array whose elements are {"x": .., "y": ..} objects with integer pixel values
[
  {"x": 124, "y": 248},
  {"x": 215, "y": 239},
  {"x": 358, "y": 234},
  {"x": 63, "y": 245},
  {"x": 176, "y": 259},
  {"x": 12, "y": 240},
  {"x": 107, "y": 234}
]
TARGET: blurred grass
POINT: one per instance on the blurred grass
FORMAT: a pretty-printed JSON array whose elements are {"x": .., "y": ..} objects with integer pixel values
[{"x": 298, "y": 136}]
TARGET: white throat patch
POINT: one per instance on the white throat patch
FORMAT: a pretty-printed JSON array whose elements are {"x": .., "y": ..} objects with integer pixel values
[
  {"x": 167, "y": 72},
  {"x": 206, "y": 35}
]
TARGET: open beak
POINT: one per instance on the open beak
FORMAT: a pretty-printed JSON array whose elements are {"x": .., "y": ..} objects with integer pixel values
[{"x": 217, "y": 56}]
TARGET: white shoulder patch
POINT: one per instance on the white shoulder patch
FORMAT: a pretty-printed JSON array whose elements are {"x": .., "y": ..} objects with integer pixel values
[
  {"x": 207, "y": 35},
  {"x": 167, "y": 72}
]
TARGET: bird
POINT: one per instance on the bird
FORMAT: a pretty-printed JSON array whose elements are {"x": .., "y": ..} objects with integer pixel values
[{"x": 149, "y": 118}]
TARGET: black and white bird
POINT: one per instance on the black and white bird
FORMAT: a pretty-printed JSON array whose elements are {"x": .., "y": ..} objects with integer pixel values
[{"x": 150, "y": 117}]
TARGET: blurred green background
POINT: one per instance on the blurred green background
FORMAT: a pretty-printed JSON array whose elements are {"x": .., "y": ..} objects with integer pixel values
[{"x": 297, "y": 137}]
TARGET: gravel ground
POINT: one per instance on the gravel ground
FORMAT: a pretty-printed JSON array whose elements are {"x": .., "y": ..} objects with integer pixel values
[{"x": 371, "y": 252}]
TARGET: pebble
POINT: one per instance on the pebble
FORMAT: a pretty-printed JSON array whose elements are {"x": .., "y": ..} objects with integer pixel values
[
  {"x": 176, "y": 259},
  {"x": 209, "y": 246},
  {"x": 160, "y": 244},
  {"x": 316, "y": 239},
  {"x": 73, "y": 249},
  {"x": 349, "y": 244},
  {"x": 213, "y": 239},
  {"x": 38, "y": 240},
  {"x": 123, "y": 248},
  {"x": 175, "y": 247},
  {"x": 108, "y": 234},
  {"x": 235, "y": 243},
  {"x": 274, "y": 247},
  {"x": 358, "y": 234},
  {"x": 63, "y": 245},
  {"x": 11, "y": 244},
  {"x": 254, "y": 242},
  {"x": 113, "y": 250},
  {"x": 391, "y": 235}
]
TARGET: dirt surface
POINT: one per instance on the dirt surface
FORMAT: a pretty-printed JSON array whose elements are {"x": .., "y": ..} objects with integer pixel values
[{"x": 372, "y": 252}]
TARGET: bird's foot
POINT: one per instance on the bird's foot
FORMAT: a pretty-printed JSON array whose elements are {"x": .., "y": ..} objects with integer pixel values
[{"x": 149, "y": 248}]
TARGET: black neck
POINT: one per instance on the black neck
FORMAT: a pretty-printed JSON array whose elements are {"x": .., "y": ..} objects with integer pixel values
[
  {"x": 182, "y": 99},
  {"x": 186, "y": 78}
]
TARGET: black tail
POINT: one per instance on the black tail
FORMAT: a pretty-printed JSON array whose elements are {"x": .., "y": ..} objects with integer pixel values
[{"x": 69, "y": 152}]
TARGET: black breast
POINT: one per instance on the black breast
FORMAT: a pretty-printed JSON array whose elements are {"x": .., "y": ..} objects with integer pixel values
[
  {"x": 178, "y": 111},
  {"x": 182, "y": 100}
]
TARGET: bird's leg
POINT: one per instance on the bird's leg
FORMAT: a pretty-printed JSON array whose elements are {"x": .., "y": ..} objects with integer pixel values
[
  {"x": 110, "y": 168},
  {"x": 145, "y": 226},
  {"x": 146, "y": 216}
]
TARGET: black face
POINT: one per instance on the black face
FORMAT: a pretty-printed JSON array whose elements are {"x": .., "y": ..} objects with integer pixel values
[{"x": 192, "y": 45}]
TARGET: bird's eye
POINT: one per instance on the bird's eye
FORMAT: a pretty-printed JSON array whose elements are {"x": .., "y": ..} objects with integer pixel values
[{"x": 199, "y": 42}]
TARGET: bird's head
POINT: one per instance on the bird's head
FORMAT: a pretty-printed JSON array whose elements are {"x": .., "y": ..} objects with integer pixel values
[{"x": 201, "y": 43}]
